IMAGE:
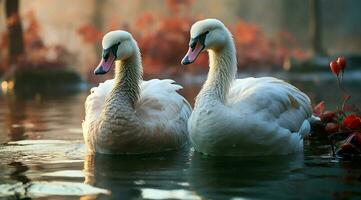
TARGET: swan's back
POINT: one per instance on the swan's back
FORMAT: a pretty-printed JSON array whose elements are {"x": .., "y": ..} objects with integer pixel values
[
  {"x": 272, "y": 99},
  {"x": 261, "y": 116},
  {"x": 159, "y": 101}
]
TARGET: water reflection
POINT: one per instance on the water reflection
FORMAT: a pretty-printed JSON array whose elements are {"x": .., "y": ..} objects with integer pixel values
[
  {"x": 41, "y": 117},
  {"x": 218, "y": 178},
  {"x": 14, "y": 118},
  {"x": 19, "y": 172},
  {"x": 132, "y": 177}
]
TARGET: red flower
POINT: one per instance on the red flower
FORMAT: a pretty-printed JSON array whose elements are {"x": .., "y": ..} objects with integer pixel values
[
  {"x": 338, "y": 65},
  {"x": 335, "y": 67},
  {"x": 319, "y": 108},
  {"x": 341, "y": 61},
  {"x": 352, "y": 122}
]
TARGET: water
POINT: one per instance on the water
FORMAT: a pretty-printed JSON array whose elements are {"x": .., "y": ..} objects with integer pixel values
[{"x": 42, "y": 156}]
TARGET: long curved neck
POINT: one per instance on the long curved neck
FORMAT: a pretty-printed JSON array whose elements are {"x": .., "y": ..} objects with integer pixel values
[
  {"x": 128, "y": 74},
  {"x": 222, "y": 71}
]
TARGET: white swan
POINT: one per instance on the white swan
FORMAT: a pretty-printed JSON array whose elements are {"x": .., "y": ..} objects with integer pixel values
[
  {"x": 242, "y": 117},
  {"x": 126, "y": 115}
]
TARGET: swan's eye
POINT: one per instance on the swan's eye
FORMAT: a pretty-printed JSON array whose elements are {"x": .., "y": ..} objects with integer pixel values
[
  {"x": 113, "y": 49},
  {"x": 106, "y": 56},
  {"x": 202, "y": 37}
]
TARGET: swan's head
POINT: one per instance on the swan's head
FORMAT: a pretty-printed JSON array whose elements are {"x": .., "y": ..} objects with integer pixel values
[
  {"x": 117, "y": 45},
  {"x": 205, "y": 34}
]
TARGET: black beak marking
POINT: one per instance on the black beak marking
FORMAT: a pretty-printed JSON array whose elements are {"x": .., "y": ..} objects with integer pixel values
[
  {"x": 112, "y": 49},
  {"x": 193, "y": 43},
  {"x": 186, "y": 61},
  {"x": 99, "y": 71},
  {"x": 202, "y": 38}
]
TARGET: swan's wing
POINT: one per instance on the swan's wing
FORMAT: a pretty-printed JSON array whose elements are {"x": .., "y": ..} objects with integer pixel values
[
  {"x": 160, "y": 105},
  {"x": 158, "y": 100},
  {"x": 95, "y": 101},
  {"x": 93, "y": 106},
  {"x": 271, "y": 100}
]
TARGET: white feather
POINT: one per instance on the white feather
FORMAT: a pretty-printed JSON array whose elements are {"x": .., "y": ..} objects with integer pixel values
[
  {"x": 159, "y": 105},
  {"x": 262, "y": 116}
]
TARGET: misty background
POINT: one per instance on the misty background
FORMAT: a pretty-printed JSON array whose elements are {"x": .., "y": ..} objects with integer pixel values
[{"x": 77, "y": 26}]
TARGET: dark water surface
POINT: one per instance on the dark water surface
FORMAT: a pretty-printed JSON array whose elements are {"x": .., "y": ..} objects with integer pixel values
[{"x": 42, "y": 148}]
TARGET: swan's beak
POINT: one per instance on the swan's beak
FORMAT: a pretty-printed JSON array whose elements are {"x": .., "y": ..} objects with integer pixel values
[
  {"x": 106, "y": 63},
  {"x": 195, "y": 48}
]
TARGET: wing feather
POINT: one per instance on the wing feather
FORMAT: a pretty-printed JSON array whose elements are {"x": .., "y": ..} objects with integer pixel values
[
  {"x": 159, "y": 101},
  {"x": 271, "y": 99}
]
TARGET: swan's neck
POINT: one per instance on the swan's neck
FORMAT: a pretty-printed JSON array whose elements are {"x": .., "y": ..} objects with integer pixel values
[
  {"x": 128, "y": 74},
  {"x": 120, "y": 104},
  {"x": 222, "y": 71}
]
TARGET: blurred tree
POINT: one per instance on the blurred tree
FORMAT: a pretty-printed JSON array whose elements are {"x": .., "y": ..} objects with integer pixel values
[
  {"x": 15, "y": 30},
  {"x": 294, "y": 18},
  {"x": 315, "y": 28},
  {"x": 98, "y": 19}
]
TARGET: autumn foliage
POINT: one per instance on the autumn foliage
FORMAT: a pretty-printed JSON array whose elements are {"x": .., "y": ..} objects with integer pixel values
[
  {"x": 255, "y": 49},
  {"x": 163, "y": 41},
  {"x": 37, "y": 54}
]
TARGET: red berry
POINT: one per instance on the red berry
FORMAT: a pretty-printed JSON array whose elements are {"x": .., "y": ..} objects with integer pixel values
[
  {"x": 331, "y": 128},
  {"x": 347, "y": 147},
  {"x": 328, "y": 116},
  {"x": 358, "y": 139},
  {"x": 335, "y": 67},
  {"x": 342, "y": 62}
]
